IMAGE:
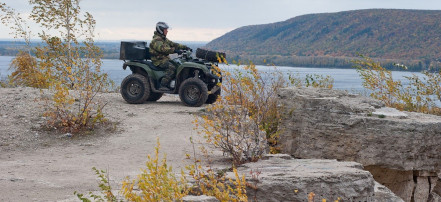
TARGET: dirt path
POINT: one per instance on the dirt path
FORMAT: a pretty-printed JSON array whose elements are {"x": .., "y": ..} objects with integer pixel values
[{"x": 36, "y": 167}]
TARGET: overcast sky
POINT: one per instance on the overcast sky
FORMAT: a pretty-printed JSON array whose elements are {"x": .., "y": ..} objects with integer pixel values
[{"x": 205, "y": 20}]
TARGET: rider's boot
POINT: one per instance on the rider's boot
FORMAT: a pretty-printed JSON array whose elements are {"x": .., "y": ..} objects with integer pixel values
[{"x": 164, "y": 87}]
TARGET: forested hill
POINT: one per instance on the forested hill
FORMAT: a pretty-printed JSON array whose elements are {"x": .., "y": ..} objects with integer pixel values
[{"x": 378, "y": 33}]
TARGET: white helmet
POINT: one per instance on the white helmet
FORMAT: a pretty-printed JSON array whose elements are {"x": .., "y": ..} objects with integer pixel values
[{"x": 160, "y": 26}]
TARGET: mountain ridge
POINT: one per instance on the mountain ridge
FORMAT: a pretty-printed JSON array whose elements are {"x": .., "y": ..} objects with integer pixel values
[{"x": 379, "y": 33}]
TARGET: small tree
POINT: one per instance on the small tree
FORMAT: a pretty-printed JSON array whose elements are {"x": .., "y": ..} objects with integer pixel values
[
  {"x": 63, "y": 63},
  {"x": 77, "y": 66}
]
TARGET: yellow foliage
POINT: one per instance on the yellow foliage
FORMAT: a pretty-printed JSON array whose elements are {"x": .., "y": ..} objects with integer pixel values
[
  {"x": 27, "y": 73},
  {"x": 418, "y": 96},
  {"x": 156, "y": 183},
  {"x": 70, "y": 70},
  {"x": 379, "y": 80},
  {"x": 209, "y": 183},
  {"x": 244, "y": 121},
  {"x": 311, "y": 197},
  {"x": 62, "y": 64}
]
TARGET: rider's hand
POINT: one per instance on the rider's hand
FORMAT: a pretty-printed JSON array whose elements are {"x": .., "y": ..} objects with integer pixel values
[
  {"x": 188, "y": 48},
  {"x": 179, "y": 52}
]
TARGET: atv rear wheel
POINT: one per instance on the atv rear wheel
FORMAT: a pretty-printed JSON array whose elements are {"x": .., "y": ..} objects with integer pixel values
[
  {"x": 193, "y": 92},
  {"x": 135, "y": 89}
]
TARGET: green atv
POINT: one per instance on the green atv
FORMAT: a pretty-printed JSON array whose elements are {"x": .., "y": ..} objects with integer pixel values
[{"x": 196, "y": 81}]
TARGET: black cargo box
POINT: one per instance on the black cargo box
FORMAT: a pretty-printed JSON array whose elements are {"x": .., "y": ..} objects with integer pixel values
[{"x": 134, "y": 50}]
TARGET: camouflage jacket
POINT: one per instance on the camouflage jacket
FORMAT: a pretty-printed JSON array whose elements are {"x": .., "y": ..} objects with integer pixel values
[{"x": 161, "y": 47}]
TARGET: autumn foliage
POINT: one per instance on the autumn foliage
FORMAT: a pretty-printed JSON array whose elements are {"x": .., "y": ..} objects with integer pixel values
[
  {"x": 421, "y": 94},
  {"x": 157, "y": 182},
  {"x": 27, "y": 73},
  {"x": 70, "y": 70},
  {"x": 244, "y": 122}
]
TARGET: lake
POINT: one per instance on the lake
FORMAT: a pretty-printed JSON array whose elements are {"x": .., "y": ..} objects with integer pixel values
[{"x": 344, "y": 79}]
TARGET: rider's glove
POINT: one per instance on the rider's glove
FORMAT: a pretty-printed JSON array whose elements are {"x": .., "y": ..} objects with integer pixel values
[
  {"x": 179, "y": 52},
  {"x": 188, "y": 48}
]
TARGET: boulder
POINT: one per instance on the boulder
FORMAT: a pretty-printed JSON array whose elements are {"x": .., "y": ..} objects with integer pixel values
[
  {"x": 281, "y": 178},
  {"x": 202, "y": 198},
  {"x": 332, "y": 124}
]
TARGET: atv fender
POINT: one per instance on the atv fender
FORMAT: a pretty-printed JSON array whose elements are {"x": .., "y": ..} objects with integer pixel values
[
  {"x": 192, "y": 65},
  {"x": 140, "y": 68},
  {"x": 145, "y": 69}
]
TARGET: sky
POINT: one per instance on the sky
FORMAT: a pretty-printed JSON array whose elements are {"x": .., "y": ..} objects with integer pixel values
[{"x": 205, "y": 20}]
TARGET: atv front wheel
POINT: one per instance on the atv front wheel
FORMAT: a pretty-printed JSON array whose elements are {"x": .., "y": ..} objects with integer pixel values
[
  {"x": 135, "y": 89},
  {"x": 213, "y": 97},
  {"x": 193, "y": 92}
]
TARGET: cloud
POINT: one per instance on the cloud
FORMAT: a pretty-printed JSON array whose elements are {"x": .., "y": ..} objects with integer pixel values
[
  {"x": 175, "y": 34},
  {"x": 206, "y": 20},
  {"x": 197, "y": 34}
]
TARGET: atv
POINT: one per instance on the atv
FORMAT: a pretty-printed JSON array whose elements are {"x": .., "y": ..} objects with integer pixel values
[{"x": 196, "y": 81}]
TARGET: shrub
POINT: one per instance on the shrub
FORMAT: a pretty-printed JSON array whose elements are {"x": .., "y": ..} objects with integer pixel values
[
  {"x": 104, "y": 186},
  {"x": 244, "y": 122},
  {"x": 420, "y": 95},
  {"x": 3, "y": 82},
  {"x": 319, "y": 81},
  {"x": 379, "y": 80},
  {"x": 210, "y": 183},
  {"x": 158, "y": 183},
  {"x": 155, "y": 183},
  {"x": 245, "y": 116},
  {"x": 69, "y": 69},
  {"x": 423, "y": 93}
]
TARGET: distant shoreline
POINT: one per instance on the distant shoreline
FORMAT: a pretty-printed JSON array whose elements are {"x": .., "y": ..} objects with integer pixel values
[{"x": 111, "y": 51}]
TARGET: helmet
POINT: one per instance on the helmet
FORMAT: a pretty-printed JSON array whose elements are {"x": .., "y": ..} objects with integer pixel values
[{"x": 160, "y": 26}]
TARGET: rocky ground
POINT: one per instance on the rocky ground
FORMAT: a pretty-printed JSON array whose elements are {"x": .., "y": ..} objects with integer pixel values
[{"x": 39, "y": 165}]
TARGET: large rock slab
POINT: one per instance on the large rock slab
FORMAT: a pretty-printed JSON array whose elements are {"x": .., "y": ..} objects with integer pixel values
[
  {"x": 384, "y": 194},
  {"x": 332, "y": 124},
  {"x": 280, "y": 178},
  {"x": 202, "y": 198}
]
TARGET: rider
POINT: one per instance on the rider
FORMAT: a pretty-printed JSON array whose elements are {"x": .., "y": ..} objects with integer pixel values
[{"x": 160, "y": 48}]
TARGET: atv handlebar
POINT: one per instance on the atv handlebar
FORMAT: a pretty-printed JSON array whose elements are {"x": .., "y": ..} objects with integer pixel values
[
  {"x": 179, "y": 51},
  {"x": 184, "y": 54}
]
